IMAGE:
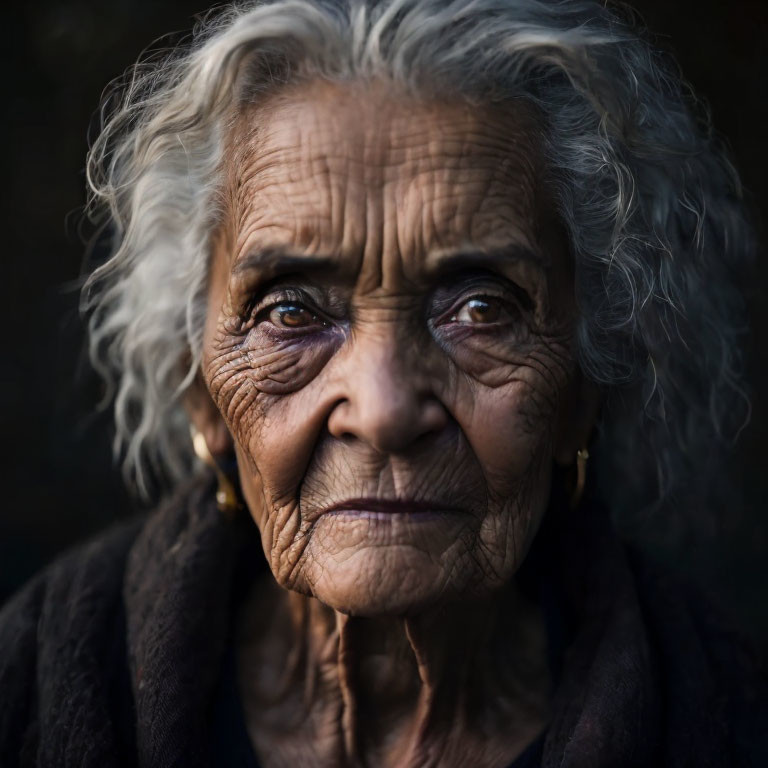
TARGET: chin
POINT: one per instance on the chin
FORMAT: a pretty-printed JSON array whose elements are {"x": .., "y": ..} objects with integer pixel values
[
  {"x": 382, "y": 581},
  {"x": 389, "y": 565}
]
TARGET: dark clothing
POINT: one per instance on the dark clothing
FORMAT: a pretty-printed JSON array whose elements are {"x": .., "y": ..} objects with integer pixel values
[{"x": 119, "y": 654}]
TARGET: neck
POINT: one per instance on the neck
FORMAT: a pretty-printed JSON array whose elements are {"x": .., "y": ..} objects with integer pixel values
[{"x": 444, "y": 686}]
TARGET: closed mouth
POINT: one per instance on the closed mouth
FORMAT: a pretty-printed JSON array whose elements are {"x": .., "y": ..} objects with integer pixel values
[{"x": 384, "y": 507}]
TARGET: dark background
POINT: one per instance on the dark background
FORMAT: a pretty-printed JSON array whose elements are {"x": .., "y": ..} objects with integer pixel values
[{"x": 58, "y": 483}]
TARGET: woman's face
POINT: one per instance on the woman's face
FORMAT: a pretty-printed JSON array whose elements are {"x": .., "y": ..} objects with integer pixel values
[{"x": 389, "y": 342}]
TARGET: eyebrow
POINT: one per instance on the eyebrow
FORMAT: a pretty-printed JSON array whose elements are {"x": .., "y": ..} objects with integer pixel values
[
  {"x": 279, "y": 259},
  {"x": 272, "y": 261},
  {"x": 451, "y": 260},
  {"x": 266, "y": 263}
]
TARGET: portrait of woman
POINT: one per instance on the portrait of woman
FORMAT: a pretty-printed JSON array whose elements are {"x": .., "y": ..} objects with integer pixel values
[{"x": 403, "y": 302}]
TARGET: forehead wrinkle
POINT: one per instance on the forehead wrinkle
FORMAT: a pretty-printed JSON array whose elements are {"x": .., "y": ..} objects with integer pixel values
[{"x": 387, "y": 191}]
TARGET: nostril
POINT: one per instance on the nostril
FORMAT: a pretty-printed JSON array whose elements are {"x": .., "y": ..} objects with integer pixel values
[
  {"x": 433, "y": 418},
  {"x": 388, "y": 418}
]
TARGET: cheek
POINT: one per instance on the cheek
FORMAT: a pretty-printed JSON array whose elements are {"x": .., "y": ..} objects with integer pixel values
[
  {"x": 263, "y": 361},
  {"x": 265, "y": 388},
  {"x": 500, "y": 435},
  {"x": 506, "y": 401}
]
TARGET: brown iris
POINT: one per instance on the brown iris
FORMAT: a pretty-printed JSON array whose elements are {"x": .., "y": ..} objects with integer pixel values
[
  {"x": 292, "y": 316},
  {"x": 479, "y": 311}
]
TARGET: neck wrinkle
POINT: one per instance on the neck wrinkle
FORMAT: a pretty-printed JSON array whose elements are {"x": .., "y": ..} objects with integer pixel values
[
  {"x": 346, "y": 667},
  {"x": 404, "y": 681},
  {"x": 461, "y": 684}
]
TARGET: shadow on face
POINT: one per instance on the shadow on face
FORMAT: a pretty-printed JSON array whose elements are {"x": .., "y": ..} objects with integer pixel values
[{"x": 389, "y": 341}]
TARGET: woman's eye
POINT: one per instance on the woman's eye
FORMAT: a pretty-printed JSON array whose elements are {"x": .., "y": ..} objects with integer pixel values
[
  {"x": 293, "y": 316},
  {"x": 480, "y": 311}
]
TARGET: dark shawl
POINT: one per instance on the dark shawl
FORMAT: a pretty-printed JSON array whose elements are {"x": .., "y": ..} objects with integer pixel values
[{"x": 113, "y": 655}]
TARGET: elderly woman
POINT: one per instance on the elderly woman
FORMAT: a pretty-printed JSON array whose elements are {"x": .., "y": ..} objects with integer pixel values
[{"x": 401, "y": 266}]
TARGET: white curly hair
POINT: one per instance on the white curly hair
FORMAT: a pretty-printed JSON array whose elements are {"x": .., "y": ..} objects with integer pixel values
[{"x": 651, "y": 204}]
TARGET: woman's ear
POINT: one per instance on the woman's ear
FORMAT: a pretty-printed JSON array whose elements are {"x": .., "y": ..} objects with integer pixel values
[
  {"x": 206, "y": 418},
  {"x": 578, "y": 414}
]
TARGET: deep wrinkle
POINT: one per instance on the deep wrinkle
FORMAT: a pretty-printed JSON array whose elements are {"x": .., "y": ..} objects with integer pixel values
[
  {"x": 383, "y": 692},
  {"x": 404, "y": 641}
]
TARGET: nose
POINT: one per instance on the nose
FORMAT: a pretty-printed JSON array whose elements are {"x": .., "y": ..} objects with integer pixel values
[{"x": 388, "y": 401}]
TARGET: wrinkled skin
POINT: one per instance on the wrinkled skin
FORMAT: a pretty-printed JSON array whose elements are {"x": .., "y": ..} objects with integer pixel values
[{"x": 389, "y": 342}]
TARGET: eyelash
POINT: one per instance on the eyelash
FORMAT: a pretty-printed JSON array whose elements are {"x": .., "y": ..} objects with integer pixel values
[
  {"x": 273, "y": 299},
  {"x": 260, "y": 309},
  {"x": 515, "y": 305}
]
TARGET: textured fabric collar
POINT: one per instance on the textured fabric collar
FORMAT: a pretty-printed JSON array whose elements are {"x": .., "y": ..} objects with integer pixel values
[
  {"x": 178, "y": 597},
  {"x": 630, "y": 693},
  {"x": 125, "y": 638},
  {"x": 178, "y": 591}
]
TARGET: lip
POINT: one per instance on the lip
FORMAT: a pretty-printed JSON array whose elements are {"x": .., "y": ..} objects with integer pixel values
[{"x": 382, "y": 508}]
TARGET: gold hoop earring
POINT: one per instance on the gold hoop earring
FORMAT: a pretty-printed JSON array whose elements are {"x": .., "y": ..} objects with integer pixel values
[
  {"x": 581, "y": 477},
  {"x": 227, "y": 497}
]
